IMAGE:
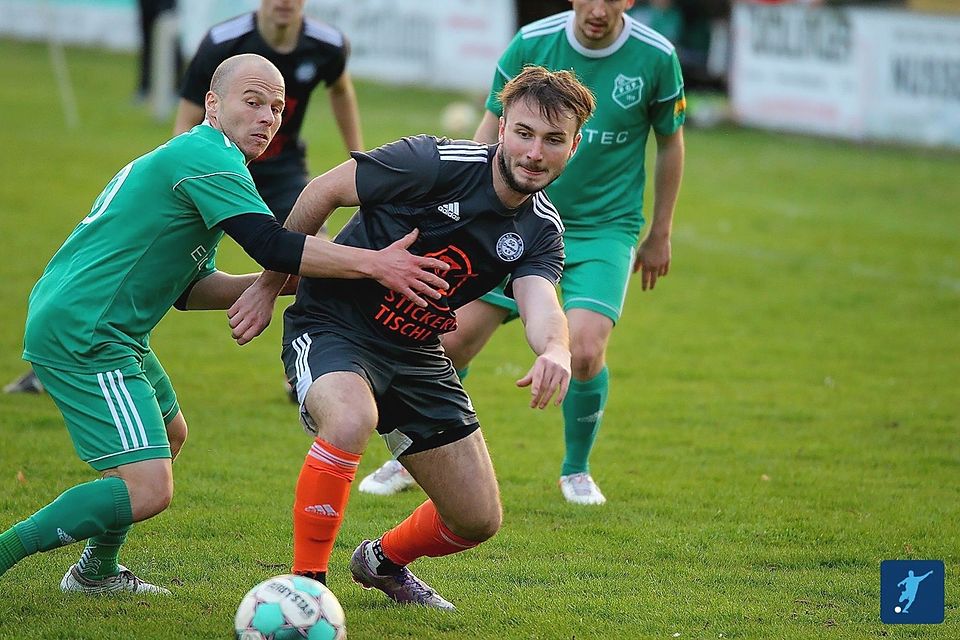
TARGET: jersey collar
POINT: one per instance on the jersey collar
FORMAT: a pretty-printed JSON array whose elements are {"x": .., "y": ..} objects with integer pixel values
[
  {"x": 213, "y": 134},
  {"x": 598, "y": 53}
]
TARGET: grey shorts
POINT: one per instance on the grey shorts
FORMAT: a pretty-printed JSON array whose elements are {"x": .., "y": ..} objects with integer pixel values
[{"x": 420, "y": 400}]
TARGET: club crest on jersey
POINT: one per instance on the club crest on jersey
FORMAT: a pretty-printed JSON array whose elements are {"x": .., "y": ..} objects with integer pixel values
[
  {"x": 509, "y": 247},
  {"x": 306, "y": 72},
  {"x": 626, "y": 91}
]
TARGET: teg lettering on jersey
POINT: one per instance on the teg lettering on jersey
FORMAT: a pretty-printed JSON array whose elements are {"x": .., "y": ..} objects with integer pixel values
[{"x": 605, "y": 137}]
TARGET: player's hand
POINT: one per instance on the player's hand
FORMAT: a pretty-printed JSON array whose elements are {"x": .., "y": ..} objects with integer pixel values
[
  {"x": 653, "y": 260},
  {"x": 549, "y": 374},
  {"x": 252, "y": 312},
  {"x": 413, "y": 276}
]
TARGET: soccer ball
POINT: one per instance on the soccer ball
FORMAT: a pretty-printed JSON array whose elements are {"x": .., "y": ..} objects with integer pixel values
[
  {"x": 290, "y": 607},
  {"x": 459, "y": 118}
]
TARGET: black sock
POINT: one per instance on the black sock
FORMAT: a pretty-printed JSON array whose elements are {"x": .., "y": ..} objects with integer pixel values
[
  {"x": 319, "y": 576},
  {"x": 387, "y": 567}
]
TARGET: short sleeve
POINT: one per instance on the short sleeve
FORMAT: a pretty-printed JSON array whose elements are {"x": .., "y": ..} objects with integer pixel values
[
  {"x": 669, "y": 109},
  {"x": 509, "y": 65},
  {"x": 546, "y": 261},
  {"x": 219, "y": 195},
  {"x": 338, "y": 64},
  {"x": 398, "y": 172}
]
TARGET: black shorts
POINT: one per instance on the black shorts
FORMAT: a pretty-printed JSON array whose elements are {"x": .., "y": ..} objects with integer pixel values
[{"x": 420, "y": 400}]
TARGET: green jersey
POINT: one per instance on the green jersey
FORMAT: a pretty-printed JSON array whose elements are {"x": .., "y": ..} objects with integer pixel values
[
  {"x": 150, "y": 233},
  {"x": 638, "y": 85}
]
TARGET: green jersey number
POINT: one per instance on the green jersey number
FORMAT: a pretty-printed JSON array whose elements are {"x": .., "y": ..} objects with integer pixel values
[{"x": 106, "y": 196}]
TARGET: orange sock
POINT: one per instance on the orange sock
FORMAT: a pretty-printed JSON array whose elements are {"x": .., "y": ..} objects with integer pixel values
[
  {"x": 323, "y": 489},
  {"x": 423, "y": 533}
]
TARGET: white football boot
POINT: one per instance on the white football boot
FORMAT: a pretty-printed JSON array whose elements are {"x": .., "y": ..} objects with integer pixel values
[
  {"x": 124, "y": 582},
  {"x": 389, "y": 479},
  {"x": 579, "y": 488}
]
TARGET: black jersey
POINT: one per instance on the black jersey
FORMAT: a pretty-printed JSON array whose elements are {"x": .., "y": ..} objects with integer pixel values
[
  {"x": 320, "y": 56},
  {"x": 444, "y": 188}
]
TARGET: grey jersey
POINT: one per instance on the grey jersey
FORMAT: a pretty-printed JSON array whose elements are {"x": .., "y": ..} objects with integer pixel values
[{"x": 444, "y": 188}]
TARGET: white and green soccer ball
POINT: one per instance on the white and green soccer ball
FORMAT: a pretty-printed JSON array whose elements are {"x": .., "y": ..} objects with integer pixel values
[{"x": 290, "y": 608}]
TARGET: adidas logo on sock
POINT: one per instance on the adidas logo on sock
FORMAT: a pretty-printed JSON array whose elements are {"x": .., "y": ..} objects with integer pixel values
[
  {"x": 593, "y": 417},
  {"x": 322, "y": 509},
  {"x": 65, "y": 538}
]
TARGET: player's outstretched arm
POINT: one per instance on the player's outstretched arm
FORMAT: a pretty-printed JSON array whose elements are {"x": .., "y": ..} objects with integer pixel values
[
  {"x": 546, "y": 330},
  {"x": 394, "y": 267},
  {"x": 654, "y": 253}
]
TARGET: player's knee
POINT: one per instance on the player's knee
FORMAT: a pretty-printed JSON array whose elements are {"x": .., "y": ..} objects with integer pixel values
[
  {"x": 587, "y": 358},
  {"x": 479, "y": 525},
  {"x": 163, "y": 497},
  {"x": 151, "y": 491}
]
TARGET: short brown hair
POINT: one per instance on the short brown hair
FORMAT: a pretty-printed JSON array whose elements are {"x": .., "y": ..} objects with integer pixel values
[{"x": 555, "y": 92}]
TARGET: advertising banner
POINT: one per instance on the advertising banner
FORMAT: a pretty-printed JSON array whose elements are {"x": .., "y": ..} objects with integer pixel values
[{"x": 853, "y": 73}]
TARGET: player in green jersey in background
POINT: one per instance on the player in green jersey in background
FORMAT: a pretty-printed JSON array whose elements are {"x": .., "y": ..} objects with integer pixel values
[
  {"x": 149, "y": 243},
  {"x": 635, "y": 74}
]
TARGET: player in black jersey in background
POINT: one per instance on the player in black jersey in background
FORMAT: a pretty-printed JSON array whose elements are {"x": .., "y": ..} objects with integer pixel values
[
  {"x": 363, "y": 358},
  {"x": 307, "y": 52}
]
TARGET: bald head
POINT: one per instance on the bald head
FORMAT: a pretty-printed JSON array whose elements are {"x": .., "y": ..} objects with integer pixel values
[
  {"x": 246, "y": 101},
  {"x": 243, "y": 64}
]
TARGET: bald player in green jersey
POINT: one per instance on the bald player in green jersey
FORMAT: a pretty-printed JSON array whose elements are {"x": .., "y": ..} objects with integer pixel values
[
  {"x": 149, "y": 243},
  {"x": 635, "y": 74}
]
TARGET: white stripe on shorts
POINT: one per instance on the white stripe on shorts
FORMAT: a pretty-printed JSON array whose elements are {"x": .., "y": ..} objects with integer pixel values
[
  {"x": 133, "y": 410},
  {"x": 113, "y": 411},
  {"x": 115, "y": 393},
  {"x": 302, "y": 366}
]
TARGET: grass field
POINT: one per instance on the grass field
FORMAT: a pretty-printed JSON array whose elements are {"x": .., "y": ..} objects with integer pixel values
[{"x": 785, "y": 411}]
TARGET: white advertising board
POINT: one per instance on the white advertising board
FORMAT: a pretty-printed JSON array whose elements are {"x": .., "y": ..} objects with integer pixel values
[
  {"x": 911, "y": 79},
  {"x": 794, "y": 68},
  {"x": 854, "y": 73},
  {"x": 441, "y": 43}
]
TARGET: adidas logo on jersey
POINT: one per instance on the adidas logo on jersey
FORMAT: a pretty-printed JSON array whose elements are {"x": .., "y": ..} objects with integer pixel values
[{"x": 451, "y": 210}]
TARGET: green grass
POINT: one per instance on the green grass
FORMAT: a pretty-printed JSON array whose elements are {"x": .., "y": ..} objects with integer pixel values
[{"x": 784, "y": 411}]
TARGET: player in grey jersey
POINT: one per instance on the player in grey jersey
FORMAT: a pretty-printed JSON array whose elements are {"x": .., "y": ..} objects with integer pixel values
[{"x": 357, "y": 352}]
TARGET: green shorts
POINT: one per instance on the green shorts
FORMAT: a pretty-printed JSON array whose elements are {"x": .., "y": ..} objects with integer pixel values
[
  {"x": 595, "y": 277},
  {"x": 115, "y": 417}
]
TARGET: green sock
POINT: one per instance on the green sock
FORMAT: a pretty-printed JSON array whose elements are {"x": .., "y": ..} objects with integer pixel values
[
  {"x": 463, "y": 373},
  {"x": 582, "y": 412},
  {"x": 11, "y": 550},
  {"x": 80, "y": 512},
  {"x": 99, "y": 557}
]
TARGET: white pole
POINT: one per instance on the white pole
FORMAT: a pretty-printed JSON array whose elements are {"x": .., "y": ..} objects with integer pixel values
[
  {"x": 163, "y": 73},
  {"x": 58, "y": 61}
]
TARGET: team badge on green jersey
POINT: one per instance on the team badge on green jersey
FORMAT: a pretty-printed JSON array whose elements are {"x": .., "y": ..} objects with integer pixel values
[{"x": 626, "y": 91}]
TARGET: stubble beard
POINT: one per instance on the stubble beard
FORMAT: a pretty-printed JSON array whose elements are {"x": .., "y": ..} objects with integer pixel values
[{"x": 511, "y": 181}]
